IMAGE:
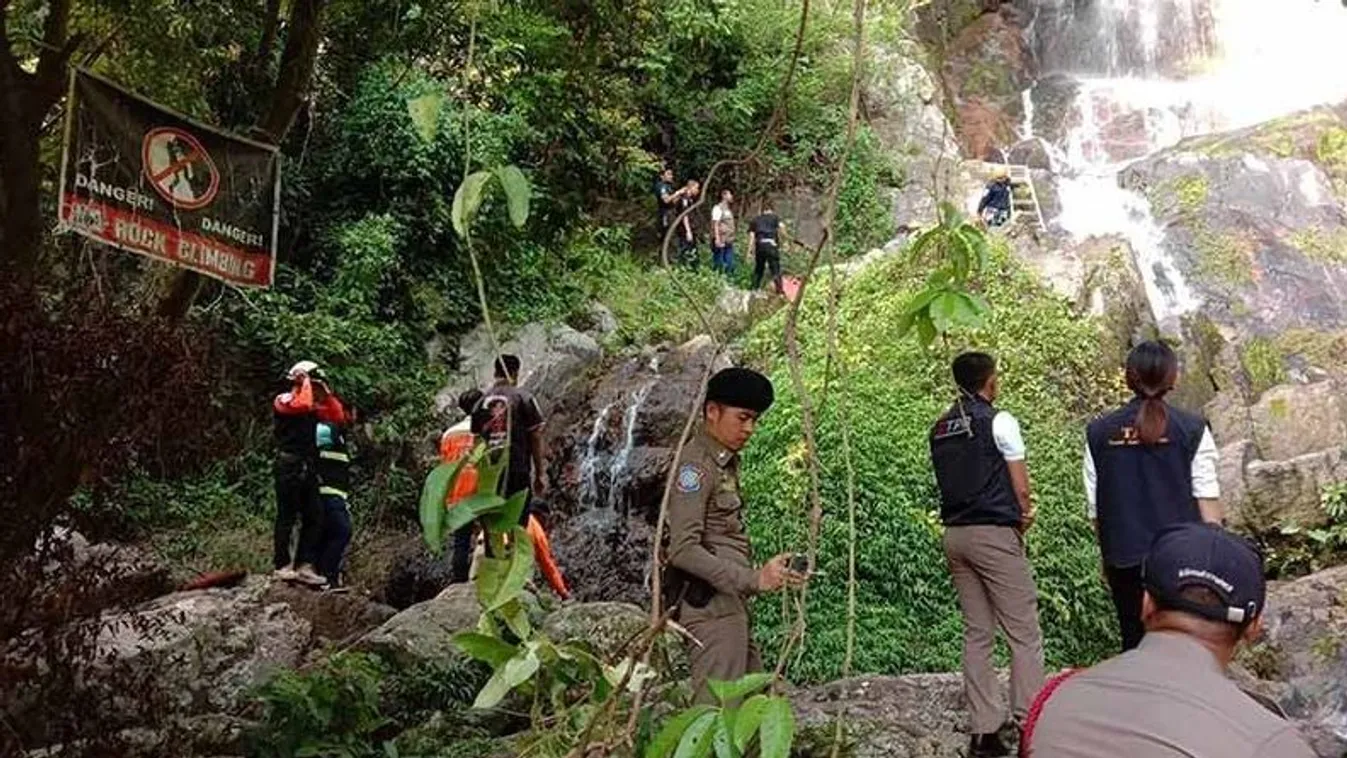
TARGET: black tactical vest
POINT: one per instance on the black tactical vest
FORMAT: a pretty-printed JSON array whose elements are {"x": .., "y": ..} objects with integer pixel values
[
  {"x": 975, "y": 488},
  {"x": 1141, "y": 489}
]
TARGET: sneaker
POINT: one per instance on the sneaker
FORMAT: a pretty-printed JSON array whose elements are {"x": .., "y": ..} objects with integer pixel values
[
  {"x": 285, "y": 574},
  {"x": 306, "y": 575},
  {"x": 987, "y": 746}
]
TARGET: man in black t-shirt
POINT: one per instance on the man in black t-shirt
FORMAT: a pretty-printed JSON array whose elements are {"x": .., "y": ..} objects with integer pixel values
[
  {"x": 764, "y": 242},
  {"x": 666, "y": 199},
  {"x": 687, "y": 236},
  {"x": 508, "y": 421}
]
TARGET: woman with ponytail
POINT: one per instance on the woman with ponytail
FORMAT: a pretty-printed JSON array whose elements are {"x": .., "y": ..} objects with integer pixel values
[{"x": 1148, "y": 466}]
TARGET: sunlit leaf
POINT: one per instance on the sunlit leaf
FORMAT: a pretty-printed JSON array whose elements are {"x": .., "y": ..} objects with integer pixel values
[
  {"x": 748, "y": 719},
  {"x": 467, "y": 200},
  {"x": 425, "y": 113},
  {"x": 469, "y": 510},
  {"x": 699, "y": 737},
  {"x": 517, "y": 193},
  {"x": 491, "y": 650},
  {"x": 509, "y": 575},
  {"x": 515, "y": 672},
  {"x": 433, "y": 494}
]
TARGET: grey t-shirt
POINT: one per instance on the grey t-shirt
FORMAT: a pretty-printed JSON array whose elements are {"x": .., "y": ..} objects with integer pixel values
[{"x": 1169, "y": 698}]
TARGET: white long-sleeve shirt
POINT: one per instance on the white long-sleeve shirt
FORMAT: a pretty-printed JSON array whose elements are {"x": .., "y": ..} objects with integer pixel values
[{"x": 1206, "y": 485}]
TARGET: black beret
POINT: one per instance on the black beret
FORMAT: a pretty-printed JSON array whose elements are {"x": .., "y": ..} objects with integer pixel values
[{"x": 740, "y": 388}]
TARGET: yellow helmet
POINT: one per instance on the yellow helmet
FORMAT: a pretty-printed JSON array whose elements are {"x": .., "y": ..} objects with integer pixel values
[{"x": 1000, "y": 171}]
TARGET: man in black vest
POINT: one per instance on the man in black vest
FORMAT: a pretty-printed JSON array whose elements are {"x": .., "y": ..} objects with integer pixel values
[{"x": 978, "y": 456}]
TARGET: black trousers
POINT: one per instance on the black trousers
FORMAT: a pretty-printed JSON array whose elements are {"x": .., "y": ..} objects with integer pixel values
[
  {"x": 1125, "y": 585},
  {"x": 460, "y": 565},
  {"x": 767, "y": 257},
  {"x": 296, "y": 500},
  {"x": 336, "y": 538}
]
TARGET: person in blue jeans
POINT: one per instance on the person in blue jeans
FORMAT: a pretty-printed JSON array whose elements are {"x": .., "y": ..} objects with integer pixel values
[
  {"x": 334, "y": 484},
  {"x": 722, "y": 234}
]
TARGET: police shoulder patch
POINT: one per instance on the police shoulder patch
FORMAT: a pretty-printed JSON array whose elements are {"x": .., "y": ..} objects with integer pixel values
[{"x": 690, "y": 478}]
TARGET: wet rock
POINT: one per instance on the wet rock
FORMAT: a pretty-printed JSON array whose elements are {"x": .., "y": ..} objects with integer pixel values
[
  {"x": 1031, "y": 152},
  {"x": 987, "y": 66},
  {"x": 611, "y": 630},
  {"x": 423, "y": 633},
  {"x": 1055, "y": 113},
  {"x": 605, "y": 555},
  {"x": 415, "y": 575}
]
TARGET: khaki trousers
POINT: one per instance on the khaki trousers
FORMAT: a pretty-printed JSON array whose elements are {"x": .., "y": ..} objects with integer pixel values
[
  {"x": 996, "y": 588},
  {"x": 727, "y": 651}
]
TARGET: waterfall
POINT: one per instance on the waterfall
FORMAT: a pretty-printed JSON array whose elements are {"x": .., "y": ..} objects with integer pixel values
[
  {"x": 619, "y": 464},
  {"x": 589, "y": 465},
  {"x": 1152, "y": 72}
]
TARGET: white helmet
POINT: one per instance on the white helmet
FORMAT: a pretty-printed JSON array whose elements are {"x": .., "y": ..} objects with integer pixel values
[{"x": 303, "y": 367}]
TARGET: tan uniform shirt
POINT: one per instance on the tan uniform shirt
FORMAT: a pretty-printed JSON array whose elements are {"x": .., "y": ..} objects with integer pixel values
[
  {"x": 706, "y": 527},
  {"x": 1167, "y": 698}
]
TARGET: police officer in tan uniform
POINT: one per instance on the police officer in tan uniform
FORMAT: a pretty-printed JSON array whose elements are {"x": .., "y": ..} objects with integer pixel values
[
  {"x": 1170, "y": 697},
  {"x": 712, "y": 575}
]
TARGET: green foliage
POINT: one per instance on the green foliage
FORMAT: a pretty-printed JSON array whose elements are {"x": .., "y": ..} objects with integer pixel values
[
  {"x": 763, "y": 723},
  {"x": 957, "y": 251},
  {"x": 329, "y": 710},
  {"x": 1323, "y": 245},
  {"x": 1052, "y": 378},
  {"x": 1262, "y": 363},
  {"x": 1191, "y": 192},
  {"x": 1296, "y": 550},
  {"x": 1225, "y": 258}
]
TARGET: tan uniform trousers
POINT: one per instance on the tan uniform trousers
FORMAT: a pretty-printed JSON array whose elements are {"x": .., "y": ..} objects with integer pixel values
[
  {"x": 727, "y": 652},
  {"x": 996, "y": 588}
]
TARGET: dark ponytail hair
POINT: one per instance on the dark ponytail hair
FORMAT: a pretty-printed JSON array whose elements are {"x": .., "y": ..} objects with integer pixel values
[{"x": 1152, "y": 370}]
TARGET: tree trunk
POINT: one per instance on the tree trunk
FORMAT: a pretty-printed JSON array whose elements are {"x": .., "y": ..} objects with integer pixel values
[{"x": 303, "y": 34}]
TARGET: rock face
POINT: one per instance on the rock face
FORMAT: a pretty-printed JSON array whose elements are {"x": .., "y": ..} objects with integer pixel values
[
  {"x": 609, "y": 627},
  {"x": 554, "y": 362},
  {"x": 987, "y": 66},
  {"x": 1304, "y": 654},
  {"x": 918, "y": 716}
]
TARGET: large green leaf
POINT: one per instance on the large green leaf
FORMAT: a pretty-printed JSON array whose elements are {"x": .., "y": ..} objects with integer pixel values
[
  {"x": 470, "y": 509},
  {"x": 500, "y": 580},
  {"x": 515, "y": 672},
  {"x": 516, "y": 618},
  {"x": 926, "y": 331},
  {"x": 433, "y": 494},
  {"x": 669, "y": 736},
  {"x": 517, "y": 193},
  {"x": 944, "y": 310},
  {"x": 777, "y": 730},
  {"x": 741, "y": 688},
  {"x": 467, "y": 200},
  {"x": 425, "y": 114},
  {"x": 507, "y": 518},
  {"x": 491, "y": 469},
  {"x": 699, "y": 738},
  {"x": 491, "y": 650},
  {"x": 723, "y": 741},
  {"x": 749, "y": 718}
]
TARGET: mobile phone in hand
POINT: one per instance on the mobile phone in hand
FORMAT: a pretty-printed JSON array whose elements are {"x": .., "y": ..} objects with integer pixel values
[{"x": 799, "y": 563}]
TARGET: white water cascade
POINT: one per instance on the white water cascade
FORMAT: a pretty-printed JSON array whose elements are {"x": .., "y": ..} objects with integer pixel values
[
  {"x": 619, "y": 464},
  {"x": 1153, "y": 72},
  {"x": 589, "y": 465}
]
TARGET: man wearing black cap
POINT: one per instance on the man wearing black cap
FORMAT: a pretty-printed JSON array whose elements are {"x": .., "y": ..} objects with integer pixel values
[
  {"x": 1203, "y": 596},
  {"x": 979, "y": 459},
  {"x": 712, "y": 574}
]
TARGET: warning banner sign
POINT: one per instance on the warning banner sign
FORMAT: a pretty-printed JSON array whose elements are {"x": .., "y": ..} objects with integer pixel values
[{"x": 144, "y": 179}]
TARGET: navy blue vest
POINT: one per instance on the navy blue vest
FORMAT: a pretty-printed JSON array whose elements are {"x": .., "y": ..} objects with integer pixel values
[
  {"x": 1142, "y": 489},
  {"x": 975, "y": 488}
]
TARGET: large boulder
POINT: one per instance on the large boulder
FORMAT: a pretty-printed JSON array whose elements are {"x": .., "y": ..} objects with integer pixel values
[
  {"x": 423, "y": 633},
  {"x": 1304, "y": 651},
  {"x": 556, "y": 361},
  {"x": 987, "y": 67},
  {"x": 1280, "y": 415},
  {"x": 916, "y": 716},
  {"x": 201, "y": 651}
]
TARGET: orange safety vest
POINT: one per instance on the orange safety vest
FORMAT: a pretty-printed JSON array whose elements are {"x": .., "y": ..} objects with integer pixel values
[{"x": 457, "y": 442}]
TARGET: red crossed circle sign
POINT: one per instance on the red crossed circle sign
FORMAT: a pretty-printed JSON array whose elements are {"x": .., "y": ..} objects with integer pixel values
[{"x": 179, "y": 168}]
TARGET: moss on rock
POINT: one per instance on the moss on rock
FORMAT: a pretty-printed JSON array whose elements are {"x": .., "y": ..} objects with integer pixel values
[
  {"x": 1263, "y": 364},
  {"x": 1323, "y": 245},
  {"x": 1224, "y": 257}
]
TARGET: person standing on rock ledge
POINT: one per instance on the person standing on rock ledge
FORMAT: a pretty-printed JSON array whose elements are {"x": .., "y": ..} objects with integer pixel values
[
  {"x": 1147, "y": 466},
  {"x": 1203, "y": 597},
  {"x": 978, "y": 456},
  {"x": 709, "y": 571}
]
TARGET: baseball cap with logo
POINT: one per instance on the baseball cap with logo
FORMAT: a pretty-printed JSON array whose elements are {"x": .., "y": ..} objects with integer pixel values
[{"x": 1205, "y": 555}]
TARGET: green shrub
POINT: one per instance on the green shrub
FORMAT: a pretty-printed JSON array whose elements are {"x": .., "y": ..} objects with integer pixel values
[
  {"x": 329, "y": 710},
  {"x": 1262, "y": 364},
  {"x": 1053, "y": 379}
]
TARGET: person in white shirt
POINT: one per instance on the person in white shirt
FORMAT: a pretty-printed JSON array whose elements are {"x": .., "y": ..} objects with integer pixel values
[
  {"x": 722, "y": 234},
  {"x": 1147, "y": 466},
  {"x": 985, "y": 504}
]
